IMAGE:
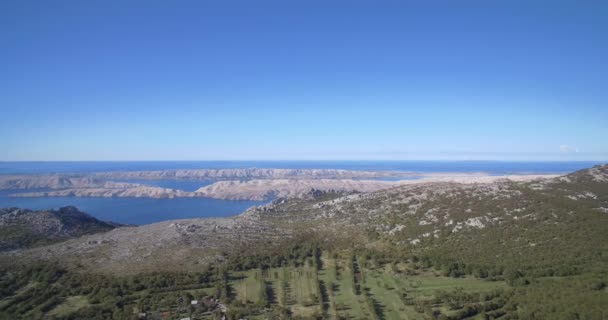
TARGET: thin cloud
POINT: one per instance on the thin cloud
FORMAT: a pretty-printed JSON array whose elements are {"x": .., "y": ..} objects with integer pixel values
[{"x": 564, "y": 148}]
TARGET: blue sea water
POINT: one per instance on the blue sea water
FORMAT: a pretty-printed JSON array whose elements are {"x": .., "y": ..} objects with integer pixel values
[
  {"x": 144, "y": 211},
  {"x": 137, "y": 211},
  {"x": 185, "y": 185},
  {"x": 134, "y": 210}
]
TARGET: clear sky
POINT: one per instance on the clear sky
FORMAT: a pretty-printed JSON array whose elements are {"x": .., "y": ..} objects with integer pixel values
[{"x": 214, "y": 80}]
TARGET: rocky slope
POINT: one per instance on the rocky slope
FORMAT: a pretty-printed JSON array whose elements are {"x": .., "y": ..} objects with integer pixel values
[
  {"x": 177, "y": 245},
  {"x": 23, "y": 228},
  {"x": 551, "y": 219},
  {"x": 436, "y": 203},
  {"x": 137, "y": 191},
  {"x": 54, "y": 181},
  {"x": 284, "y": 188}
]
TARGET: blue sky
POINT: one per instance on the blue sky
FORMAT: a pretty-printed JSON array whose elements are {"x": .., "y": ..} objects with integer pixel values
[{"x": 215, "y": 80}]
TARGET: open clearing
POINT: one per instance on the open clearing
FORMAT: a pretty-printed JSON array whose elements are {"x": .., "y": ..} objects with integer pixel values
[
  {"x": 69, "y": 305},
  {"x": 330, "y": 291}
]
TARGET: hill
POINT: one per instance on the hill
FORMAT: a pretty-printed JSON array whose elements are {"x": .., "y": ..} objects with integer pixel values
[{"x": 22, "y": 228}]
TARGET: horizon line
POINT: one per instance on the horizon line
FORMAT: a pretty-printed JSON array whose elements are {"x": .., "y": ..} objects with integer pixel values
[{"x": 316, "y": 160}]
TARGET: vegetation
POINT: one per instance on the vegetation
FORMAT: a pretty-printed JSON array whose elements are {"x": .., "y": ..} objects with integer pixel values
[
  {"x": 302, "y": 290},
  {"x": 523, "y": 252}
]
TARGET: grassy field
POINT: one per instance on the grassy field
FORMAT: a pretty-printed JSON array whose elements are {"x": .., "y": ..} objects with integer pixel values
[
  {"x": 329, "y": 291},
  {"x": 247, "y": 285},
  {"x": 294, "y": 288},
  {"x": 426, "y": 285},
  {"x": 338, "y": 275},
  {"x": 385, "y": 290},
  {"x": 303, "y": 282},
  {"x": 70, "y": 304},
  {"x": 333, "y": 288}
]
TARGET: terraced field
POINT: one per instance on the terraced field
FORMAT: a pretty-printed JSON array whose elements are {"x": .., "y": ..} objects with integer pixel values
[
  {"x": 329, "y": 289},
  {"x": 247, "y": 285},
  {"x": 337, "y": 275}
]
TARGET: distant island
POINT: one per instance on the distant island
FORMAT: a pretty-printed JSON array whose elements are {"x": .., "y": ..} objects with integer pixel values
[{"x": 234, "y": 184}]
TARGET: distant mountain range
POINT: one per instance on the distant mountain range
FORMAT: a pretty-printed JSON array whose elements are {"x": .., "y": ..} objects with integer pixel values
[{"x": 232, "y": 184}]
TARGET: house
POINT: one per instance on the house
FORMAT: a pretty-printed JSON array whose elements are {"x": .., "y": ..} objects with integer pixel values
[
  {"x": 208, "y": 302},
  {"x": 194, "y": 302}
]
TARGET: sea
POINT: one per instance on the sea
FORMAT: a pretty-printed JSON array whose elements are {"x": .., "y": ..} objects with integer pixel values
[{"x": 139, "y": 211}]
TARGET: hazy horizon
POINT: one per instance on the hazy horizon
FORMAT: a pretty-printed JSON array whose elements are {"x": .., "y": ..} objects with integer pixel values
[{"x": 308, "y": 160}]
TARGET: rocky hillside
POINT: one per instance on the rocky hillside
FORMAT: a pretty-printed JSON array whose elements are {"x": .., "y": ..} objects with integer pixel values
[
  {"x": 548, "y": 222},
  {"x": 47, "y": 181},
  {"x": 177, "y": 245},
  {"x": 21, "y": 228},
  {"x": 112, "y": 191},
  {"x": 284, "y": 188}
]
